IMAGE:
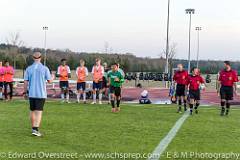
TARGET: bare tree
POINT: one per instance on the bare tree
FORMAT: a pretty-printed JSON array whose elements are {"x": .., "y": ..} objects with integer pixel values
[
  {"x": 171, "y": 55},
  {"x": 14, "y": 43}
]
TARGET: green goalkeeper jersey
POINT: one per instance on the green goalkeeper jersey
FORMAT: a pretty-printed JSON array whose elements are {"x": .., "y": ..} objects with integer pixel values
[{"x": 113, "y": 76}]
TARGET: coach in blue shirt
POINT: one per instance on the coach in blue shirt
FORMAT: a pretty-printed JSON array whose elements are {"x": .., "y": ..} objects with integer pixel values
[{"x": 35, "y": 78}]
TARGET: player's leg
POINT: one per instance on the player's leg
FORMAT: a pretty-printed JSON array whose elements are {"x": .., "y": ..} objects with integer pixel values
[
  {"x": 191, "y": 101},
  {"x": 94, "y": 93},
  {"x": 229, "y": 97},
  {"x": 78, "y": 92},
  {"x": 118, "y": 97},
  {"x": 179, "y": 104},
  {"x": 223, "y": 101},
  {"x": 112, "y": 93},
  {"x": 101, "y": 91},
  {"x": 11, "y": 90},
  {"x": 185, "y": 99},
  {"x": 67, "y": 91},
  {"x": 5, "y": 90},
  {"x": 197, "y": 101},
  {"x": 83, "y": 92},
  {"x": 1, "y": 90},
  {"x": 61, "y": 85}
]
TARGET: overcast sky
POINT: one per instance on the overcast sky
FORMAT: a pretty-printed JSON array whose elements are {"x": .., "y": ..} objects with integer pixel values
[{"x": 135, "y": 26}]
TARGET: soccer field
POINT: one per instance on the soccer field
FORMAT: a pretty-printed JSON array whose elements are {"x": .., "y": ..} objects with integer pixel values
[{"x": 85, "y": 130}]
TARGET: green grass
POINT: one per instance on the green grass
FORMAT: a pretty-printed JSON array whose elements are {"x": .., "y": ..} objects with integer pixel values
[
  {"x": 208, "y": 133},
  {"x": 84, "y": 129}
]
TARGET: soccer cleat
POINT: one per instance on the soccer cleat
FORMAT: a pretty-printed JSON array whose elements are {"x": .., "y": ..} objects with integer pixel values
[
  {"x": 179, "y": 110},
  {"x": 77, "y": 101},
  {"x": 68, "y": 102},
  {"x": 93, "y": 103},
  {"x": 84, "y": 102},
  {"x": 62, "y": 101},
  {"x": 185, "y": 108},
  {"x": 113, "y": 110},
  {"x": 36, "y": 133},
  {"x": 118, "y": 109},
  {"x": 100, "y": 102}
]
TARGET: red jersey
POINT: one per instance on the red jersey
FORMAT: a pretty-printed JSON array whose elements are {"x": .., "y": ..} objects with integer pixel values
[
  {"x": 181, "y": 77},
  {"x": 194, "y": 82},
  {"x": 228, "y": 78}
]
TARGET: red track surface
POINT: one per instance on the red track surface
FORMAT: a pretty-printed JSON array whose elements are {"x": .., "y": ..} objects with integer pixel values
[{"x": 208, "y": 97}]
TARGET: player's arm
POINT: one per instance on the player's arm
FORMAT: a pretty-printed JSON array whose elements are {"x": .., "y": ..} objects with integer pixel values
[
  {"x": 86, "y": 70},
  {"x": 69, "y": 72},
  {"x": 58, "y": 72}
]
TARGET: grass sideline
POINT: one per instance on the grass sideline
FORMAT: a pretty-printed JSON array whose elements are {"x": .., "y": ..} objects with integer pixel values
[{"x": 83, "y": 129}]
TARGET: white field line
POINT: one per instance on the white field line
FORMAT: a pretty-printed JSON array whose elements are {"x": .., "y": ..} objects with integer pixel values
[{"x": 156, "y": 154}]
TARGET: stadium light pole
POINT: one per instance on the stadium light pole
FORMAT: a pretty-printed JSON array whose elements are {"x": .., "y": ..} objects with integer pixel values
[
  {"x": 45, "y": 28},
  {"x": 167, "y": 43},
  {"x": 198, "y": 29},
  {"x": 190, "y": 12}
]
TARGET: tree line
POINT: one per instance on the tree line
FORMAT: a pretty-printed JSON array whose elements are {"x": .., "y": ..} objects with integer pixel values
[{"x": 21, "y": 57}]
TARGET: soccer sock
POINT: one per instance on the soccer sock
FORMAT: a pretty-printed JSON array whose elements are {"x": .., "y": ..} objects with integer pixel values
[
  {"x": 62, "y": 96},
  {"x": 179, "y": 102},
  {"x": 78, "y": 97},
  {"x": 67, "y": 96},
  {"x": 185, "y": 103},
  {"x": 1, "y": 95},
  {"x": 118, "y": 103},
  {"x": 84, "y": 96},
  {"x": 228, "y": 106},
  {"x": 197, "y": 105},
  {"x": 113, "y": 103},
  {"x": 191, "y": 107},
  {"x": 35, "y": 128},
  {"x": 109, "y": 97},
  {"x": 94, "y": 97},
  {"x": 223, "y": 106},
  {"x": 100, "y": 96}
]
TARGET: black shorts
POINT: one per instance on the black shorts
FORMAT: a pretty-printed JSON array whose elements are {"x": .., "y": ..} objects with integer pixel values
[
  {"x": 97, "y": 86},
  {"x": 63, "y": 84},
  {"x": 180, "y": 90},
  {"x": 1, "y": 84},
  {"x": 226, "y": 92},
  {"x": 81, "y": 86},
  {"x": 115, "y": 90},
  {"x": 36, "y": 104},
  {"x": 194, "y": 94},
  {"x": 104, "y": 83}
]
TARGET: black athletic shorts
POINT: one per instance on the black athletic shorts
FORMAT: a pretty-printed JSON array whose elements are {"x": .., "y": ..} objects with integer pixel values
[
  {"x": 115, "y": 90},
  {"x": 104, "y": 83},
  {"x": 36, "y": 104},
  {"x": 81, "y": 86},
  {"x": 194, "y": 94},
  {"x": 97, "y": 86},
  {"x": 63, "y": 84},
  {"x": 226, "y": 92},
  {"x": 180, "y": 90}
]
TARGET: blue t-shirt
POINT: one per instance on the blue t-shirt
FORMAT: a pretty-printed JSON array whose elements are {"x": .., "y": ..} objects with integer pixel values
[{"x": 37, "y": 75}]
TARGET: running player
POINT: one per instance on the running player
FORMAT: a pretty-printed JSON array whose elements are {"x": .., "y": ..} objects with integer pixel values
[
  {"x": 98, "y": 72},
  {"x": 1, "y": 80},
  {"x": 180, "y": 78},
  {"x": 227, "y": 81},
  {"x": 64, "y": 74},
  {"x": 35, "y": 79},
  {"x": 8, "y": 80},
  {"x": 193, "y": 82},
  {"x": 115, "y": 79},
  {"x": 82, "y": 73}
]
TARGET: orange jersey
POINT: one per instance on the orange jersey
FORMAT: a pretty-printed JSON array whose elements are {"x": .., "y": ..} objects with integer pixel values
[
  {"x": 2, "y": 74},
  {"x": 8, "y": 74},
  {"x": 98, "y": 73},
  {"x": 63, "y": 72},
  {"x": 82, "y": 73}
]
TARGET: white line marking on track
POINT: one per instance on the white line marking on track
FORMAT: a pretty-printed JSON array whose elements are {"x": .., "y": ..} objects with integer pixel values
[{"x": 168, "y": 138}]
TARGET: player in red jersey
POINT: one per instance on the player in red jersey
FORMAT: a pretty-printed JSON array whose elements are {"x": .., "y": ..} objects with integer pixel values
[
  {"x": 180, "y": 78},
  {"x": 194, "y": 83},
  {"x": 227, "y": 81}
]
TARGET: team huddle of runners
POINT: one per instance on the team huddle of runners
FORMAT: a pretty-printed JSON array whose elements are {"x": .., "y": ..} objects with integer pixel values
[
  {"x": 188, "y": 88},
  {"x": 109, "y": 82}
]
